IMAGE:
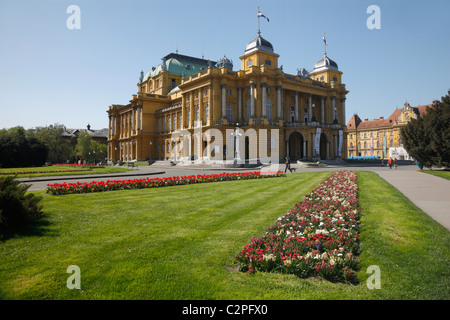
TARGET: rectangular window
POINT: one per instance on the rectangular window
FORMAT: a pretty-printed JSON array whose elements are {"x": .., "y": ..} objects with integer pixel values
[
  {"x": 229, "y": 92},
  {"x": 268, "y": 62},
  {"x": 173, "y": 83},
  {"x": 249, "y": 63}
]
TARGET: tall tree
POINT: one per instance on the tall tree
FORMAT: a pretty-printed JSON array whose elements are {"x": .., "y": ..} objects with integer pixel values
[
  {"x": 60, "y": 148},
  {"x": 19, "y": 150},
  {"x": 427, "y": 139}
]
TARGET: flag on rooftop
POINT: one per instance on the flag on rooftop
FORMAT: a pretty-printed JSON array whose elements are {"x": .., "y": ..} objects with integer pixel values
[{"x": 261, "y": 15}]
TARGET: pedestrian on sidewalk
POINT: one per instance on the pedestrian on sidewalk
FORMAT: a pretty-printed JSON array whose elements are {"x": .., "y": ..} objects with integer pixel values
[
  {"x": 382, "y": 162},
  {"x": 390, "y": 163},
  {"x": 288, "y": 165},
  {"x": 395, "y": 163}
]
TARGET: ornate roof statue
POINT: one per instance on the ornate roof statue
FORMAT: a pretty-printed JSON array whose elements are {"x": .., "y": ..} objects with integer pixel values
[{"x": 225, "y": 63}]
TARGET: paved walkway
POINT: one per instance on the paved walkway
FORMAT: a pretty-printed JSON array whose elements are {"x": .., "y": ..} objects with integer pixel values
[{"x": 428, "y": 192}]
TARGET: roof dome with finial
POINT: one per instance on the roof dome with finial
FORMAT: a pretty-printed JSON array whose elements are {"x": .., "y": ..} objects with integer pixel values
[
  {"x": 325, "y": 63},
  {"x": 259, "y": 43}
]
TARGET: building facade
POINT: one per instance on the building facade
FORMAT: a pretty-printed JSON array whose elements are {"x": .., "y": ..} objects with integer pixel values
[
  {"x": 185, "y": 103},
  {"x": 381, "y": 138}
]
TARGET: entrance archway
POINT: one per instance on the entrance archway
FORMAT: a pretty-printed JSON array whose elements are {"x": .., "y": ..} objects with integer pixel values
[
  {"x": 296, "y": 146},
  {"x": 324, "y": 146}
]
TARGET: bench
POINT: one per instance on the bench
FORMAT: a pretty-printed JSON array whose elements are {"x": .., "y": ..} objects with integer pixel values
[{"x": 130, "y": 164}]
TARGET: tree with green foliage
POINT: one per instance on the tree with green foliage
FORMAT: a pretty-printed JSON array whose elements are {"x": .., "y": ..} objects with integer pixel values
[
  {"x": 17, "y": 149},
  {"x": 60, "y": 148},
  {"x": 427, "y": 138},
  {"x": 92, "y": 151}
]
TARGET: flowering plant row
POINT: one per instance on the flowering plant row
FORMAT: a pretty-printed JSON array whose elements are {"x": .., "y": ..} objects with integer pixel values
[
  {"x": 78, "y": 165},
  {"x": 99, "y": 186},
  {"x": 319, "y": 236},
  {"x": 35, "y": 172}
]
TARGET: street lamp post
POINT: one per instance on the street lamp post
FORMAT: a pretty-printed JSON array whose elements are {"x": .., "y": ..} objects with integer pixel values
[
  {"x": 150, "y": 151},
  {"x": 314, "y": 113}
]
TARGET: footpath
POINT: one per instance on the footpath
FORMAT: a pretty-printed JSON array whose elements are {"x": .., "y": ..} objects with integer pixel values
[{"x": 428, "y": 192}]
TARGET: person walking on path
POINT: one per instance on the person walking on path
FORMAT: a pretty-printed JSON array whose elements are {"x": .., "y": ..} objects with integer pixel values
[
  {"x": 390, "y": 163},
  {"x": 288, "y": 165},
  {"x": 395, "y": 163}
]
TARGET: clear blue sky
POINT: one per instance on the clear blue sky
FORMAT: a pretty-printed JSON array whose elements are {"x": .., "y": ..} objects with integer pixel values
[{"x": 50, "y": 74}]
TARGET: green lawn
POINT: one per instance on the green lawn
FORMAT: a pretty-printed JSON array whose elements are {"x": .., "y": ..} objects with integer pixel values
[
  {"x": 438, "y": 173},
  {"x": 55, "y": 171},
  {"x": 180, "y": 242}
]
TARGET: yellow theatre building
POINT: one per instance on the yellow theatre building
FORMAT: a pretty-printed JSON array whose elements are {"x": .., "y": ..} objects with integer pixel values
[{"x": 184, "y": 103}]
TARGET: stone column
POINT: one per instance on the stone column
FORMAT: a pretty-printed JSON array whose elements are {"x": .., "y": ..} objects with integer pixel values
[
  {"x": 343, "y": 110},
  {"x": 110, "y": 126},
  {"x": 287, "y": 148},
  {"x": 191, "y": 108},
  {"x": 322, "y": 109},
  {"x": 263, "y": 99},
  {"x": 279, "y": 106},
  {"x": 309, "y": 107},
  {"x": 133, "y": 118},
  {"x": 139, "y": 117},
  {"x": 183, "y": 112},
  {"x": 252, "y": 100},
  {"x": 200, "y": 106},
  {"x": 224, "y": 99},
  {"x": 304, "y": 149},
  {"x": 335, "y": 138},
  {"x": 239, "y": 90},
  {"x": 333, "y": 108}
]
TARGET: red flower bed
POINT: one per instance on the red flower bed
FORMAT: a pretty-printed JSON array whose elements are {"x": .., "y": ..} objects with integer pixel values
[
  {"x": 77, "y": 165},
  {"x": 34, "y": 172},
  {"x": 99, "y": 186},
  {"x": 317, "y": 237}
]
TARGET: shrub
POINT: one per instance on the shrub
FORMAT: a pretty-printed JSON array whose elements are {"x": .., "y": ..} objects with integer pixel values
[{"x": 17, "y": 207}]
